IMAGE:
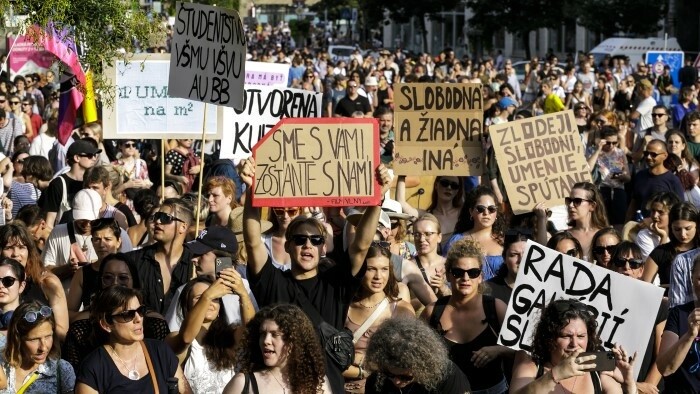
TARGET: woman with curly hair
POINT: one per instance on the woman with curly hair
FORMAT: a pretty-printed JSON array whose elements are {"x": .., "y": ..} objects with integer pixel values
[
  {"x": 481, "y": 220},
  {"x": 280, "y": 355},
  {"x": 409, "y": 357},
  {"x": 565, "y": 330},
  {"x": 470, "y": 321},
  {"x": 587, "y": 214}
]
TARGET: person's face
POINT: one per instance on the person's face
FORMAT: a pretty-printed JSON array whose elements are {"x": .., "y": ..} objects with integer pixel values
[
  {"x": 205, "y": 263},
  {"x": 694, "y": 128},
  {"x": 125, "y": 332},
  {"x": 484, "y": 211},
  {"x": 10, "y": 294},
  {"x": 86, "y": 160},
  {"x": 447, "y": 187},
  {"x": 168, "y": 232},
  {"x": 463, "y": 284},
  {"x": 100, "y": 189},
  {"x": 352, "y": 87},
  {"x": 611, "y": 143},
  {"x": 675, "y": 144},
  {"x": 578, "y": 87},
  {"x": 285, "y": 215},
  {"x": 376, "y": 274},
  {"x": 116, "y": 273},
  {"x": 214, "y": 306},
  {"x": 546, "y": 90},
  {"x": 426, "y": 237},
  {"x": 20, "y": 85},
  {"x": 514, "y": 255},
  {"x": 659, "y": 215},
  {"x": 655, "y": 155},
  {"x": 87, "y": 132},
  {"x": 16, "y": 250},
  {"x": 632, "y": 267},
  {"x": 37, "y": 344},
  {"x": 584, "y": 209},
  {"x": 218, "y": 200},
  {"x": 603, "y": 249},
  {"x": 659, "y": 117},
  {"x": 128, "y": 148},
  {"x": 600, "y": 83},
  {"x": 305, "y": 257},
  {"x": 19, "y": 162},
  {"x": 105, "y": 242},
  {"x": 600, "y": 121},
  {"x": 582, "y": 112},
  {"x": 684, "y": 231},
  {"x": 186, "y": 143},
  {"x": 574, "y": 336},
  {"x": 567, "y": 247},
  {"x": 386, "y": 122},
  {"x": 272, "y": 345},
  {"x": 26, "y": 107}
]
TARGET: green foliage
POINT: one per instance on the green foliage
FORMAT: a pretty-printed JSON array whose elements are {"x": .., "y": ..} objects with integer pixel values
[{"x": 630, "y": 17}]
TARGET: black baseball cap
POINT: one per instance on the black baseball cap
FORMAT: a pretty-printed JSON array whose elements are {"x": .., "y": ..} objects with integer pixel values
[{"x": 214, "y": 238}]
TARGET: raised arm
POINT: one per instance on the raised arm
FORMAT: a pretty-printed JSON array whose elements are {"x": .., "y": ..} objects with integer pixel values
[
  {"x": 257, "y": 254},
  {"x": 401, "y": 196}
]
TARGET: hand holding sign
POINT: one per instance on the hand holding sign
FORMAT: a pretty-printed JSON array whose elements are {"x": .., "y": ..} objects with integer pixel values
[
  {"x": 384, "y": 178},
  {"x": 246, "y": 170}
]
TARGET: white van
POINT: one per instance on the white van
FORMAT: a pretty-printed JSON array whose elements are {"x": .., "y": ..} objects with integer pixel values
[{"x": 634, "y": 48}]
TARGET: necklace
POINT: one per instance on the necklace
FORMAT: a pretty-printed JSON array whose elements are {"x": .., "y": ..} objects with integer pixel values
[
  {"x": 133, "y": 374},
  {"x": 284, "y": 388},
  {"x": 370, "y": 307}
]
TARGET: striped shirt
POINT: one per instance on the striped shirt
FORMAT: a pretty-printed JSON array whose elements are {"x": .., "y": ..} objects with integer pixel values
[{"x": 23, "y": 194}]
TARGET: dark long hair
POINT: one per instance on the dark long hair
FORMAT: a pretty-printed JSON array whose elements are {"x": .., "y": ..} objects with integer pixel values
[
  {"x": 457, "y": 200},
  {"x": 682, "y": 211},
  {"x": 465, "y": 221},
  {"x": 391, "y": 289}
]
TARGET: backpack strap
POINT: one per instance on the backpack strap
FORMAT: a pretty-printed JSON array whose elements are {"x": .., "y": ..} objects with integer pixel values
[
  {"x": 438, "y": 310},
  {"x": 71, "y": 232}
]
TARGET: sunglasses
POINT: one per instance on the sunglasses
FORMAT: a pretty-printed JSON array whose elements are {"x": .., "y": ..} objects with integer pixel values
[
  {"x": 130, "y": 145},
  {"x": 653, "y": 155},
  {"x": 634, "y": 263},
  {"x": 602, "y": 249},
  {"x": 657, "y": 115},
  {"x": 26, "y": 104},
  {"x": 14, "y": 102},
  {"x": 164, "y": 218},
  {"x": 2, "y": 101},
  {"x": 483, "y": 208},
  {"x": 400, "y": 377},
  {"x": 128, "y": 315},
  {"x": 289, "y": 211},
  {"x": 609, "y": 143},
  {"x": 381, "y": 244},
  {"x": 32, "y": 316},
  {"x": 300, "y": 240},
  {"x": 88, "y": 155},
  {"x": 571, "y": 252},
  {"x": 448, "y": 185},
  {"x": 577, "y": 201},
  {"x": 472, "y": 273},
  {"x": 20, "y": 161},
  {"x": 8, "y": 281}
]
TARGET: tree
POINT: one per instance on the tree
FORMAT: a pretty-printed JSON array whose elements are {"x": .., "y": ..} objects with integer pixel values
[{"x": 627, "y": 17}]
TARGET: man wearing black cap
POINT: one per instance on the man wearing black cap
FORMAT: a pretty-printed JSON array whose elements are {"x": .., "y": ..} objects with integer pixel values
[
  {"x": 214, "y": 247},
  {"x": 56, "y": 199}
]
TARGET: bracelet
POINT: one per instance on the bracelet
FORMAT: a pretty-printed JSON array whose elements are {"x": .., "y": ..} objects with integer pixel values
[
  {"x": 551, "y": 372},
  {"x": 362, "y": 373}
]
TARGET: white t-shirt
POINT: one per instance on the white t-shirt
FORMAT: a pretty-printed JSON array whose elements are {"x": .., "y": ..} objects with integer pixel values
[
  {"x": 41, "y": 145},
  {"x": 645, "y": 108},
  {"x": 201, "y": 375}
]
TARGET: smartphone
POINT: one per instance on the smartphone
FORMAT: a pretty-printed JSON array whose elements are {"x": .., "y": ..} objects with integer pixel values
[
  {"x": 221, "y": 264},
  {"x": 604, "y": 361}
]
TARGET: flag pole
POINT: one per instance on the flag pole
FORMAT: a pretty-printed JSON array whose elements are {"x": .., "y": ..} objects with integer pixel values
[{"x": 201, "y": 170}]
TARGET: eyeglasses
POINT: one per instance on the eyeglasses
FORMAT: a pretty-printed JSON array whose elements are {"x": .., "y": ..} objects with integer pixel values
[
  {"x": 602, "y": 249},
  {"x": 448, "y": 184},
  {"x": 634, "y": 263},
  {"x": 164, "y": 218},
  {"x": 20, "y": 161},
  {"x": 300, "y": 239},
  {"x": 129, "y": 314},
  {"x": 110, "y": 279},
  {"x": 472, "y": 273},
  {"x": 576, "y": 200},
  {"x": 400, "y": 377},
  {"x": 657, "y": 115},
  {"x": 483, "y": 208},
  {"x": 130, "y": 145},
  {"x": 653, "y": 155},
  {"x": 14, "y": 102},
  {"x": 88, "y": 155},
  {"x": 352, "y": 86},
  {"x": 609, "y": 143},
  {"x": 32, "y": 316},
  {"x": 425, "y": 235},
  {"x": 309, "y": 76},
  {"x": 289, "y": 211},
  {"x": 8, "y": 281},
  {"x": 571, "y": 252},
  {"x": 26, "y": 104}
]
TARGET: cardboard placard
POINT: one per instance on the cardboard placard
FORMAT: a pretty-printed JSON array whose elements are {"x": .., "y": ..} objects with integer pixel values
[
  {"x": 318, "y": 162},
  {"x": 143, "y": 108},
  {"x": 208, "y": 55},
  {"x": 540, "y": 159},
  {"x": 264, "y": 106},
  {"x": 625, "y": 308},
  {"x": 438, "y": 129},
  {"x": 266, "y": 74}
]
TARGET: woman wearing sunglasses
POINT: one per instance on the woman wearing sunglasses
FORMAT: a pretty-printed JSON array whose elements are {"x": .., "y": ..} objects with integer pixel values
[
  {"x": 566, "y": 329},
  {"x": 587, "y": 214},
  {"x": 125, "y": 362},
  {"x": 377, "y": 300},
  {"x": 280, "y": 356},
  {"x": 86, "y": 282},
  {"x": 12, "y": 279},
  {"x": 609, "y": 162},
  {"x": 679, "y": 352},
  {"x": 604, "y": 243},
  {"x": 565, "y": 242},
  {"x": 446, "y": 203},
  {"x": 274, "y": 239},
  {"x": 683, "y": 218},
  {"x": 655, "y": 229},
  {"x": 481, "y": 220},
  {"x": 470, "y": 321},
  {"x": 135, "y": 170},
  {"x": 31, "y": 361}
]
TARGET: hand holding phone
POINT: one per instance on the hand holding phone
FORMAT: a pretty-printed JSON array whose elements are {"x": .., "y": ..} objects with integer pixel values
[
  {"x": 604, "y": 361},
  {"x": 221, "y": 263}
]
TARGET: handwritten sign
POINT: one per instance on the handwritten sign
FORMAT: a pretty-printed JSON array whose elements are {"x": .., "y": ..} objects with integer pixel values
[
  {"x": 263, "y": 107},
  {"x": 546, "y": 275},
  {"x": 144, "y": 109},
  {"x": 438, "y": 129},
  {"x": 208, "y": 62},
  {"x": 266, "y": 74},
  {"x": 318, "y": 162},
  {"x": 540, "y": 159}
]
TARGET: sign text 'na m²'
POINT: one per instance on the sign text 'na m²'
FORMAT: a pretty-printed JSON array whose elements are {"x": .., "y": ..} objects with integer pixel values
[
  {"x": 438, "y": 129},
  {"x": 208, "y": 55},
  {"x": 539, "y": 159},
  {"x": 318, "y": 162}
]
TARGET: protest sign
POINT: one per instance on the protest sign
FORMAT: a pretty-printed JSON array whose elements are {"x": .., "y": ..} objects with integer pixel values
[
  {"x": 438, "y": 129},
  {"x": 266, "y": 74},
  {"x": 318, "y": 162},
  {"x": 263, "y": 107},
  {"x": 208, "y": 55},
  {"x": 539, "y": 159},
  {"x": 143, "y": 108},
  {"x": 625, "y": 308},
  {"x": 29, "y": 57}
]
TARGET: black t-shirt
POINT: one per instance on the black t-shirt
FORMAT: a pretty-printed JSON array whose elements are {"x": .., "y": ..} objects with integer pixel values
[
  {"x": 499, "y": 289},
  {"x": 646, "y": 185},
  {"x": 663, "y": 256},
  {"x": 346, "y": 106},
  {"x": 682, "y": 381},
  {"x": 661, "y": 316},
  {"x": 51, "y": 198},
  {"x": 455, "y": 382},
  {"x": 99, "y": 371}
]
